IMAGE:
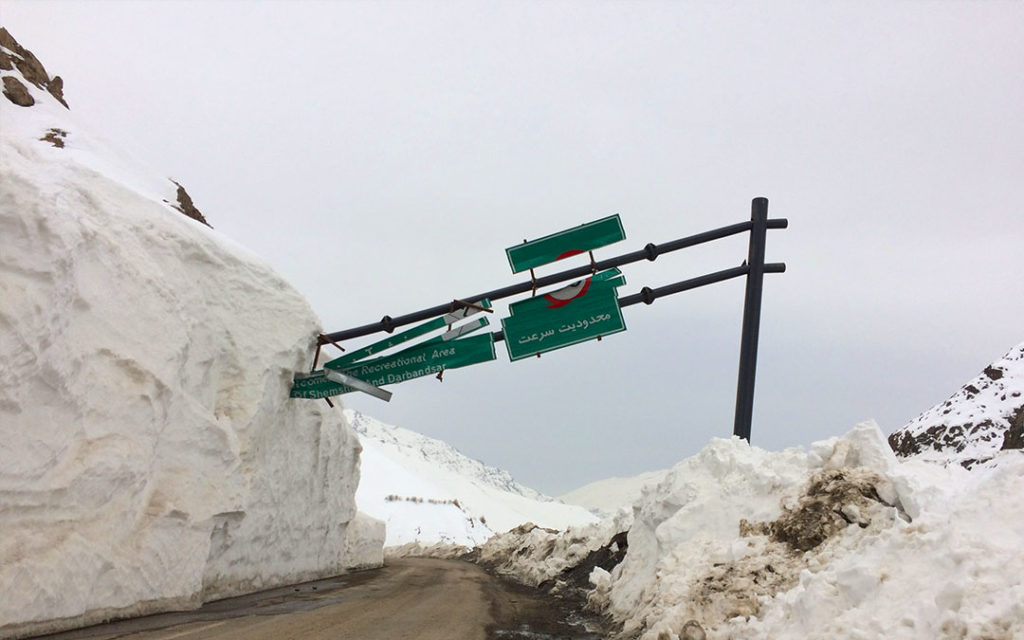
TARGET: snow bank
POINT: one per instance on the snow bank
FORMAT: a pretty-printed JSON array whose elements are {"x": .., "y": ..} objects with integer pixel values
[
  {"x": 537, "y": 556},
  {"x": 841, "y": 541},
  {"x": 151, "y": 456},
  {"x": 428, "y": 492}
]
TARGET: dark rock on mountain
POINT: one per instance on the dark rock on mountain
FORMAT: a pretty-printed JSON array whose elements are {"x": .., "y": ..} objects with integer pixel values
[
  {"x": 186, "y": 206},
  {"x": 17, "y": 93},
  {"x": 1014, "y": 436}
]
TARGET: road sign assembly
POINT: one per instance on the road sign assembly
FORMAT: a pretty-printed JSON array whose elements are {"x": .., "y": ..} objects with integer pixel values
[{"x": 588, "y": 308}]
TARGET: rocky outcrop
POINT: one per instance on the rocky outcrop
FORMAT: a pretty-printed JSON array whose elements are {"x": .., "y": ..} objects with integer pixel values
[
  {"x": 14, "y": 56},
  {"x": 16, "y": 92},
  {"x": 982, "y": 418},
  {"x": 1014, "y": 436}
]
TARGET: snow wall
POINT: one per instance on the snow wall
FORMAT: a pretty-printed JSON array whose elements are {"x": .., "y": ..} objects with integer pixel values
[{"x": 151, "y": 458}]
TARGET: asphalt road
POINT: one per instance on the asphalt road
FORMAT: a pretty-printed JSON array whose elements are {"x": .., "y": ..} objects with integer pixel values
[{"x": 411, "y": 598}]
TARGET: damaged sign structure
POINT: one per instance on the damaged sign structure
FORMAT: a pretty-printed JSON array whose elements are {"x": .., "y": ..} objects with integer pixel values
[{"x": 587, "y": 309}]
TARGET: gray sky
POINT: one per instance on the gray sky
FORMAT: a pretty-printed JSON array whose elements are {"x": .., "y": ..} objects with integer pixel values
[{"x": 382, "y": 155}]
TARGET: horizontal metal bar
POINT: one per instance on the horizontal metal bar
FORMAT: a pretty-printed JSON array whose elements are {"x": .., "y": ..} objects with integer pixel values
[
  {"x": 648, "y": 295},
  {"x": 649, "y": 252}
]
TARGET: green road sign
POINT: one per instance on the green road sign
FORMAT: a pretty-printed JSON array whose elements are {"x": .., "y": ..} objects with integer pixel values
[
  {"x": 325, "y": 383},
  {"x": 563, "y": 244},
  {"x": 542, "y": 329},
  {"x": 315, "y": 385},
  {"x": 420, "y": 360}
]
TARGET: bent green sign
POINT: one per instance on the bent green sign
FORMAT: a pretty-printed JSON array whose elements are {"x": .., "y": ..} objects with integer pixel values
[
  {"x": 421, "y": 360},
  {"x": 563, "y": 244}
]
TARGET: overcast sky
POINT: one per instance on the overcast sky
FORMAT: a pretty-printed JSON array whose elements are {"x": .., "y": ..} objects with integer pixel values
[{"x": 382, "y": 155}]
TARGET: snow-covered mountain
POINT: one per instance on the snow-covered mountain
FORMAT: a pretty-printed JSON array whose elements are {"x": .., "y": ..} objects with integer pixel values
[
  {"x": 151, "y": 458},
  {"x": 428, "y": 492},
  {"x": 985, "y": 416},
  {"x": 606, "y": 497}
]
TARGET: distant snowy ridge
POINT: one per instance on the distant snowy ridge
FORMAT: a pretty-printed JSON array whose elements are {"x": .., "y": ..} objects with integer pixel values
[
  {"x": 151, "y": 458},
  {"x": 427, "y": 492},
  {"x": 606, "y": 497},
  {"x": 985, "y": 416},
  {"x": 437, "y": 452}
]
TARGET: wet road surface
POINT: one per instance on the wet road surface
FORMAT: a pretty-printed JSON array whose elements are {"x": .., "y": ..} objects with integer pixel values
[{"x": 414, "y": 598}]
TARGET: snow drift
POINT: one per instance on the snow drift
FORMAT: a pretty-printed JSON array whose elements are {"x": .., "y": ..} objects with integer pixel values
[
  {"x": 859, "y": 546},
  {"x": 428, "y": 492},
  {"x": 151, "y": 456},
  {"x": 843, "y": 540}
]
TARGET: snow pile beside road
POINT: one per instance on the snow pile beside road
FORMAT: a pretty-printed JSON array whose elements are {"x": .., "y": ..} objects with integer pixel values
[
  {"x": 546, "y": 557},
  {"x": 841, "y": 541},
  {"x": 427, "y": 492},
  {"x": 151, "y": 456}
]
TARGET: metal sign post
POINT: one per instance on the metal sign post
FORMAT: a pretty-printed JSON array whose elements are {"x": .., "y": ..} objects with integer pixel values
[{"x": 751, "y": 319}]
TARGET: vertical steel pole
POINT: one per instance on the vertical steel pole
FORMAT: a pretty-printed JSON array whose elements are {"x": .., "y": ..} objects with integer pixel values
[{"x": 751, "y": 319}]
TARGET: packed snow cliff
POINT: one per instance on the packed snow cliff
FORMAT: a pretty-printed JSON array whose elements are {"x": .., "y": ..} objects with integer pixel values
[
  {"x": 151, "y": 457},
  {"x": 428, "y": 493}
]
